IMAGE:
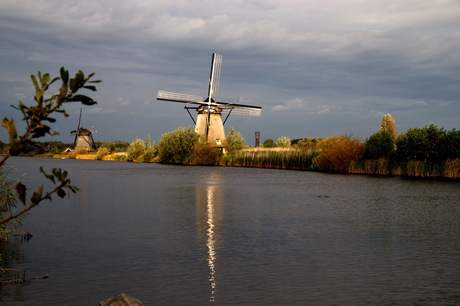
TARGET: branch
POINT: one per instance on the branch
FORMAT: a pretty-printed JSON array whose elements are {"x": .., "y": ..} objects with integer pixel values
[{"x": 35, "y": 201}]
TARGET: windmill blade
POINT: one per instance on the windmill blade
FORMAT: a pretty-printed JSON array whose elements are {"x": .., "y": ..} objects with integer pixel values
[
  {"x": 214, "y": 77},
  {"x": 240, "y": 109},
  {"x": 179, "y": 97},
  {"x": 79, "y": 120}
]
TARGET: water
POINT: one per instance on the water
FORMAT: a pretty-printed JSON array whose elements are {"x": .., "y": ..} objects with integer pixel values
[{"x": 173, "y": 235}]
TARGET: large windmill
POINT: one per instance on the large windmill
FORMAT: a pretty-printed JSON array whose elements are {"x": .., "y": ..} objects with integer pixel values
[
  {"x": 83, "y": 138},
  {"x": 209, "y": 119}
]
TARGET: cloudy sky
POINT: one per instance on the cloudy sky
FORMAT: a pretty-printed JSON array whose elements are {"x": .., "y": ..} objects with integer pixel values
[{"x": 317, "y": 68}]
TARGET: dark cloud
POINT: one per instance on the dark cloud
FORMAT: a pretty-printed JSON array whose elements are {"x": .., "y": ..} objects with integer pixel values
[{"x": 317, "y": 70}]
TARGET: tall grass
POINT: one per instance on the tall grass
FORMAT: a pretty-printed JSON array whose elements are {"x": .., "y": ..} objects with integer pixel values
[
  {"x": 276, "y": 159},
  {"x": 412, "y": 168},
  {"x": 295, "y": 159}
]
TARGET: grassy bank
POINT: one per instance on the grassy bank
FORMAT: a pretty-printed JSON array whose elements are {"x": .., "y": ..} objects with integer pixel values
[
  {"x": 292, "y": 159},
  {"x": 276, "y": 158}
]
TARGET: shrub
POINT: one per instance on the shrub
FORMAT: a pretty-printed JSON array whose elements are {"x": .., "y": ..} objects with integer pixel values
[
  {"x": 136, "y": 149},
  {"x": 205, "y": 153},
  {"x": 269, "y": 143},
  {"x": 306, "y": 144},
  {"x": 101, "y": 152},
  {"x": 336, "y": 152},
  {"x": 283, "y": 142},
  {"x": 150, "y": 153},
  {"x": 235, "y": 141},
  {"x": 73, "y": 154},
  {"x": 176, "y": 146}
]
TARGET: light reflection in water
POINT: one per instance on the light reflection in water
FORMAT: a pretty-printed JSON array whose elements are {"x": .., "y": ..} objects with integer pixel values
[
  {"x": 209, "y": 196},
  {"x": 211, "y": 242}
]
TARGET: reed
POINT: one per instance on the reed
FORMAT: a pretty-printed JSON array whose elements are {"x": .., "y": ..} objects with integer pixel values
[
  {"x": 276, "y": 159},
  {"x": 380, "y": 166}
]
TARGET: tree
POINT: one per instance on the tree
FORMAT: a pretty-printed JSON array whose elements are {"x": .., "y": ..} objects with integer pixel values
[
  {"x": 283, "y": 142},
  {"x": 306, "y": 144},
  {"x": 37, "y": 118},
  {"x": 389, "y": 126},
  {"x": 336, "y": 152},
  {"x": 269, "y": 143},
  {"x": 380, "y": 144},
  {"x": 136, "y": 149},
  {"x": 205, "y": 153},
  {"x": 235, "y": 141},
  {"x": 176, "y": 146},
  {"x": 418, "y": 143}
]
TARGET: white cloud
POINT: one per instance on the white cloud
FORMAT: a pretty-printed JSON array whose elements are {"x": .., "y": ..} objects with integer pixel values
[
  {"x": 295, "y": 104},
  {"x": 99, "y": 110}
]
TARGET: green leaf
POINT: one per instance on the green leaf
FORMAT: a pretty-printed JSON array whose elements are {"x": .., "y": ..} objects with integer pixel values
[
  {"x": 48, "y": 176},
  {"x": 34, "y": 81},
  {"x": 46, "y": 78},
  {"x": 83, "y": 99},
  {"x": 64, "y": 75},
  {"x": 92, "y": 88},
  {"x": 21, "y": 190},
  {"x": 61, "y": 193},
  {"x": 77, "y": 82},
  {"x": 37, "y": 196}
]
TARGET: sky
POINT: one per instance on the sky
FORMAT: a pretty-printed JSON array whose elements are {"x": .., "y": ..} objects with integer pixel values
[{"x": 317, "y": 68}]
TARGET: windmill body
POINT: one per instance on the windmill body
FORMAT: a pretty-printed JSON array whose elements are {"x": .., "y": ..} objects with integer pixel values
[
  {"x": 209, "y": 123},
  {"x": 83, "y": 138}
]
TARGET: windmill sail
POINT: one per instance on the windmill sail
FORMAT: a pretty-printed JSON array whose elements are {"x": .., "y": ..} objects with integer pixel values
[
  {"x": 209, "y": 120},
  {"x": 179, "y": 97},
  {"x": 214, "y": 77}
]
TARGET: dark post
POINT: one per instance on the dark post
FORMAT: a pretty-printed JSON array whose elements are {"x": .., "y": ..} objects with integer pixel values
[{"x": 257, "y": 139}]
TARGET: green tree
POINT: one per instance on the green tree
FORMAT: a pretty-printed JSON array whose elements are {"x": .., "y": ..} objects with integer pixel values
[
  {"x": 235, "y": 141},
  {"x": 37, "y": 118},
  {"x": 269, "y": 143},
  {"x": 421, "y": 143},
  {"x": 205, "y": 153},
  {"x": 151, "y": 151},
  {"x": 306, "y": 144},
  {"x": 283, "y": 142},
  {"x": 176, "y": 146},
  {"x": 380, "y": 144},
  {"x": 450, "y": 146},
  {"x": 136, "y": 149}
]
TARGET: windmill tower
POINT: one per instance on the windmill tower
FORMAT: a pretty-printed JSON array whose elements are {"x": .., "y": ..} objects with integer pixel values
[
  {"x": 83, "y": 138},
  {"x": 209, "y": 119}
]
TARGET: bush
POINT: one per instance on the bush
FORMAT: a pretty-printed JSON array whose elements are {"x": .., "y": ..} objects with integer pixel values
[
  {"x": 73, "y": 154},
  {"x": 101, "y": 152},
  {"x": 306, "y": 144},
  {"x": 235, "y": 141},
  {"x": 283, "y": 142},
  {"x": 269, "y": 143},
  {"x": 136, "y": 149},
  {"x": 150, "y": 153},
  {"x": 176, "y": 146},
  {"x": 336, "y": 152},
  {"x": 205, "y": 153}
]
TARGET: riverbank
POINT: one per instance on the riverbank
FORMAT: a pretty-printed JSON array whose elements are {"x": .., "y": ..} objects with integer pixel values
[{"x": 291, "y": 159}]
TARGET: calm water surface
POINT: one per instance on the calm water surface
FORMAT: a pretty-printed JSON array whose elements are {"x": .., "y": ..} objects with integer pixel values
[{"x": 172, "y": 235}]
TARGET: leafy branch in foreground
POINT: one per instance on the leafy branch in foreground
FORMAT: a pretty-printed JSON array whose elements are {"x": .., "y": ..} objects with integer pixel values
[
  {"x": 60, "y": 181},
  {"x": 37, "y": 118}
]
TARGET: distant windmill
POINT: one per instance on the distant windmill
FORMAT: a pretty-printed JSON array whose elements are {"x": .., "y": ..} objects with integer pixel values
[
  {"x": 209, "y": 119},
  {"x": 83, "y": 138}
]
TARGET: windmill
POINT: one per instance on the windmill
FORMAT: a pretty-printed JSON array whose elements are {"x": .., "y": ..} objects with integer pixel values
[
  {"x": 209, "y": 119},
  {"x": 83, "y": 138}
]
